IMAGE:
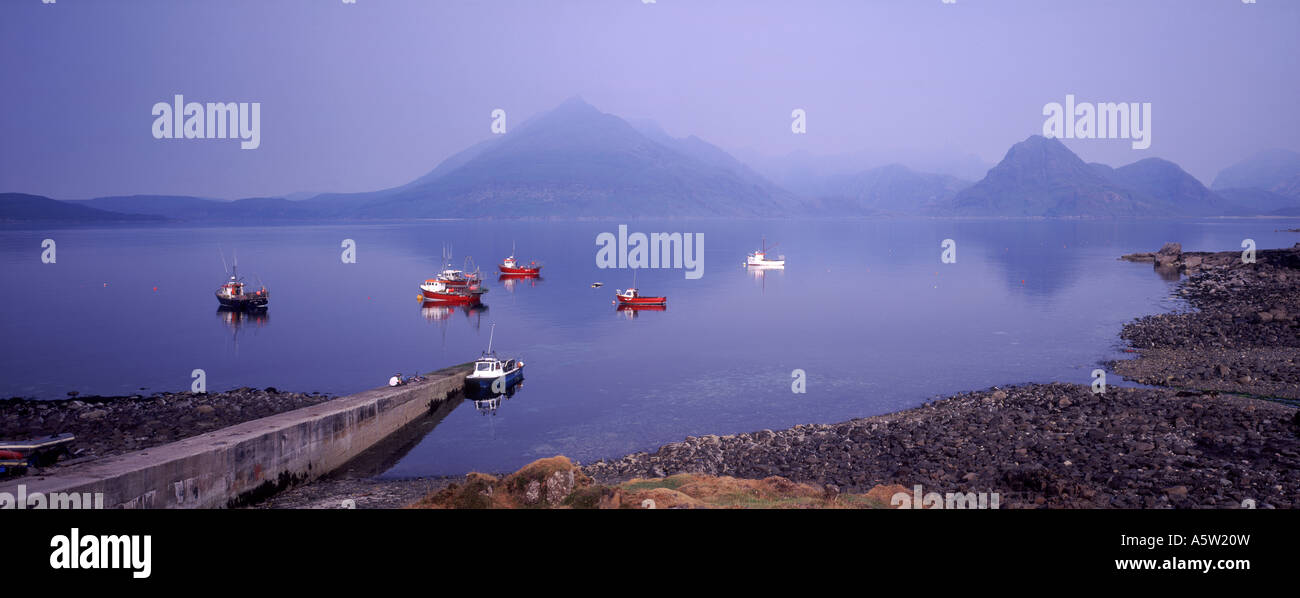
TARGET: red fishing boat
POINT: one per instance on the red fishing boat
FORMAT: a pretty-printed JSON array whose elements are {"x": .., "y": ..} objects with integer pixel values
[
  {"x": 434, "y": 290},
  {"x": 512, "y": 267},
  {"x": 633, "y": 298}
]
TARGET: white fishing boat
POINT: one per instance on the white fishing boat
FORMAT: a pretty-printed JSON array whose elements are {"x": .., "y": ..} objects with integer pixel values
[
  {"x": 760, "y": 259},
  {"x": 492, "y": 373}
]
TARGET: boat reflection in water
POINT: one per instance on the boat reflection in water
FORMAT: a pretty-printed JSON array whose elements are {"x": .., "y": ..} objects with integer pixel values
[
  {"x": 486, "y": 401},
  {"x": 633, "y": 312},
  {"x": 510, "y": 281},
  {"x": 761, "y": 274},
  {"x": 435, "y": 311},
  {"x": 236, "y": 318}
]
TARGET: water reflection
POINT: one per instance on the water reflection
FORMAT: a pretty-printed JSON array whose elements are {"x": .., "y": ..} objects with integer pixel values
[
  {"x": 393, "y": 448},
  {"x": 236, "y": 318},
  {"x": 486, "y": 402},
  {"x": 760, "y": 274},
  {"x": 510, "y": 281},
  {"x": 1168, "y": 273},
  {"x": 632, "y": 312},
  {"x": 438, "y": 312}
]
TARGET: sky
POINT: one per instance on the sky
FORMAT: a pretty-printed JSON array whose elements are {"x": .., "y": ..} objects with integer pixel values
[{"x": 373, "y": 94}]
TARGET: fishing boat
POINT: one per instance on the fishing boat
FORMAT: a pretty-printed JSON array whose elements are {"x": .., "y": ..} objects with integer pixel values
[
  {"x": 232, "y": 295},
  {"x": 437, "y": 291},
  {"x": 759, "y": 259},
  {"x": 633, "y": 297},
  {"x": 512, "y": 267},
  {"x": 492, "y": 373},
  {"x": 457, "y": 278}
]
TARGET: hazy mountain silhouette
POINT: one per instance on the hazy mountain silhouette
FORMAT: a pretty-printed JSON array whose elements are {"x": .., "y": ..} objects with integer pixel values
[
  {"x": 576, "y": 161},
  {"x": 1263, "y": 170},
  {"x": 23, "y": 207},
  {"x": 1041, "y": 177},
  {"x": 890, "y": 189},
  {"x": 1158, "y": 181}
]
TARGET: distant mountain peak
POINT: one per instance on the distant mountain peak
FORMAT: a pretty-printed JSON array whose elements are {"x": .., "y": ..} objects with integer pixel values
[
  {"x": 1041, "y": 177},
  {"x": 1262, "y": 170},
  {"x": 574, "y": 160},
  {"x": 575, "y": 104}
]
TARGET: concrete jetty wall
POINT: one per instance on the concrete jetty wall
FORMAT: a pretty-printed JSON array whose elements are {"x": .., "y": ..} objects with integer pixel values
[{"x": 244, "y": 461}]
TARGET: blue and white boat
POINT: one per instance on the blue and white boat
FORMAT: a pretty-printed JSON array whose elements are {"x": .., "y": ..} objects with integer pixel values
[{"x": 494, "y": 374}]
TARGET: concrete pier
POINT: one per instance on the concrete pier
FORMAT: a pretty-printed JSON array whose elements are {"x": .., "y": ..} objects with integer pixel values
[{"x": 248, "y": 460}]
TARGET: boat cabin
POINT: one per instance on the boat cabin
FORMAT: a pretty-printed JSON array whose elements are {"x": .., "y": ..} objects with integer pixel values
[
  {"x": 489, "y": 365},
  {"x": 234, "y": 288}
]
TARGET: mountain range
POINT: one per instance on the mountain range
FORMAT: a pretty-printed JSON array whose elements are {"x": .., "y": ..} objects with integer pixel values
[{"x": 576, "y": 161}]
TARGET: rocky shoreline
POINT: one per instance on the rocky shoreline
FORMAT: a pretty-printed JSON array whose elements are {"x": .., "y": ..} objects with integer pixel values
[
  {"x": 1041, "y": 445},
  {"x": 1244, "y": 335},
  {"x": 1061, "y": 445},
  {"x": 113, "y": 425}
]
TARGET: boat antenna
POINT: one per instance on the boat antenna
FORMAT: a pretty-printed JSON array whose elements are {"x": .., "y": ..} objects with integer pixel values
[
  {"x": 491, "y": 334},
  {"x": 223, "y": 261}
]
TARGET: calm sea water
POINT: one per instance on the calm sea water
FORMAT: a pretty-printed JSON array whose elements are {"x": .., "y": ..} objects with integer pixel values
[{"x": 865, "y": 308}]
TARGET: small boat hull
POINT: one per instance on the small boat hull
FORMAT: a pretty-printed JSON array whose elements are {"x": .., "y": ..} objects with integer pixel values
[
  {"x": 640, "y": 301},
  {"x": 450, "y": 297},
  {"x": 244, "y": 302},
  {"x": 485, "y": 384},
  {"x": 520, "y": 271}
]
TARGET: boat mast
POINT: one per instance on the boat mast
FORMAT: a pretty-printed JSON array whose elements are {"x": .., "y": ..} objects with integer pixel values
[{"x": 491, "y": 334}]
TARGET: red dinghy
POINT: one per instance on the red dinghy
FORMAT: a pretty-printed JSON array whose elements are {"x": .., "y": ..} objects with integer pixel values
[{"x": 633, "y": 298}]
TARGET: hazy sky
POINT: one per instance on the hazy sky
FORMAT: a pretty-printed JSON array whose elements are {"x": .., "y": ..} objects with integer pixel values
[{"x": 369, "y": 95}]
